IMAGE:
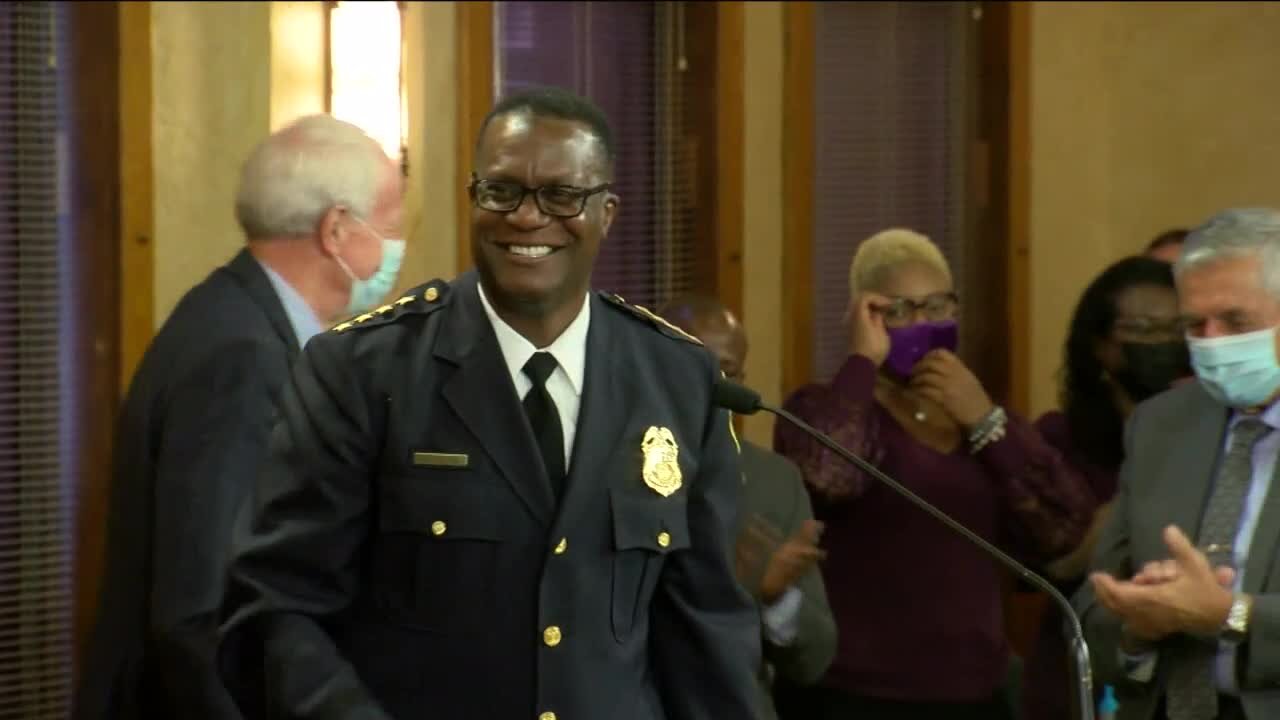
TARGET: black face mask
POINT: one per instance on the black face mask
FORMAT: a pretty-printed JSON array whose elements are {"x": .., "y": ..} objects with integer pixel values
[{"x": 1151, "y": 368}]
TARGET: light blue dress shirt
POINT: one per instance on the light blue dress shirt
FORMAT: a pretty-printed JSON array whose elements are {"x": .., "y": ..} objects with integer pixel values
[{"x": 303, "y": 319}]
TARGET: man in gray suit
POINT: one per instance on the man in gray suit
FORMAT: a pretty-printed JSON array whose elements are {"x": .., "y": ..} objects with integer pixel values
[
  {"x": 777, "y": 549},
  {"x": 1183, "y": 611}
]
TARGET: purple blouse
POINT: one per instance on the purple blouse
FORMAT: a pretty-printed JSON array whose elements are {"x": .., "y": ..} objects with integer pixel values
[{"x": 919, "y": 609}]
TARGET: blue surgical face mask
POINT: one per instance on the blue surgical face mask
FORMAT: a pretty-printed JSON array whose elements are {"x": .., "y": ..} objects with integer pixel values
[
  {"x": 1239, "y": 371},
  {"x": 368, "y": 292}
]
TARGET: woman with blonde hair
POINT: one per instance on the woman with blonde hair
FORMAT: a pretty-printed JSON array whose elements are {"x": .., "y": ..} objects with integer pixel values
[{"x": 919, "y": 609}]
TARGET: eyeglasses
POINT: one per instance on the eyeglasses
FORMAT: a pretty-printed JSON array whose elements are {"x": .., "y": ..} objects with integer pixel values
[
  {"x": 936, "y": 308},
  {"x": 562, "y": 201}
]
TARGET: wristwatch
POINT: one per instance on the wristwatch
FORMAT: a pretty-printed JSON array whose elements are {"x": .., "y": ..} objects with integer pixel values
[{"x": 1236, "y": 627}]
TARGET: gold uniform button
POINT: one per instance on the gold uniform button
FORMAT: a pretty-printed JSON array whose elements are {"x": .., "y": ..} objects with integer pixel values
[
  {"x": 664, "y": 539},
  {"x": 551, "y": 636},
  {"x": 438, "y": 527},
  {"x": 431, "y": 294},
  {"x": 547, "y": 716},
  {"x": 562, "y": 546}
]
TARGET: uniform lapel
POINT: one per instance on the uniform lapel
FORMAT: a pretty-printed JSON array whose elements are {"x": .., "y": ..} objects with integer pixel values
[
  {"x": 481, "y": 393},
  {"x": 606, "y": 393}
]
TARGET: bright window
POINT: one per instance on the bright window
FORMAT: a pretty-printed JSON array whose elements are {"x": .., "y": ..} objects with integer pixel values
[{"x": 365, "y": 86}]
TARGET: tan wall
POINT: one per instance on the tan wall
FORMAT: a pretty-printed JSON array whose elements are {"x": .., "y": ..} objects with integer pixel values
[
  {"x": 1143, "y": 117},
  {"x": 762, "y": 245},
  {"x": 211, "y": 103}
]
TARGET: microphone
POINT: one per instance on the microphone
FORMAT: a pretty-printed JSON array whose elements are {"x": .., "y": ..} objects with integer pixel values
[{"x": 745, "y": 401}]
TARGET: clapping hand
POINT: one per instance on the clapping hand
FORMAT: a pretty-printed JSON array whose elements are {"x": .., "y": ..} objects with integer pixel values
[
  {"x": 785, "y": 560},
  {"x": 1181, "y": 594}
]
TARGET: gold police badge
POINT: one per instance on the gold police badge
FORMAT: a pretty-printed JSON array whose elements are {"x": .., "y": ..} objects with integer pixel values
[{"x": 661, "y": 470}]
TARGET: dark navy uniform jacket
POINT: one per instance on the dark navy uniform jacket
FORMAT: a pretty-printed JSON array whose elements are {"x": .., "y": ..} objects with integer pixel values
[{"x": 403, "y": 555}]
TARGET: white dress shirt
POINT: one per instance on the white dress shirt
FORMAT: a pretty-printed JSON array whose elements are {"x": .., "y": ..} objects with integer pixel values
[{"x": 565, "y": 383}]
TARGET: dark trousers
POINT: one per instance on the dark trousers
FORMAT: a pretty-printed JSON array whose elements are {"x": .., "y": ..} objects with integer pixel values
[{"x": 828, "y": 704}]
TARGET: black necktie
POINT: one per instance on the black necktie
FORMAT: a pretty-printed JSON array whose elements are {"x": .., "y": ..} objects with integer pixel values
[{"x": 544, "y": 418}]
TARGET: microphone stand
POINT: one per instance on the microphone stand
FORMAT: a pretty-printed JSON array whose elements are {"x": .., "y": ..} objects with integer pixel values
[{"x": 1084, "y": 673}]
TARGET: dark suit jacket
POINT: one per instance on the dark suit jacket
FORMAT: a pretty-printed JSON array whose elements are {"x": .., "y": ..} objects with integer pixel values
[
  {"x": 1172, "y": 447},
  {"x": 374, "y": 578},
  {"x": 774, "y": 489},
  {"x": 191, "y": 434}
]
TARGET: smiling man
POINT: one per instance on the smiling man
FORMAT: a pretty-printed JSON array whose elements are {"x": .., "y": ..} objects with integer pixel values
[{"x": 503, "y": 497}]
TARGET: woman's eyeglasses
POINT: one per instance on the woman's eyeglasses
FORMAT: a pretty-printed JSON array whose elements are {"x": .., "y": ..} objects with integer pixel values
[{"x": 935, "y": 308}]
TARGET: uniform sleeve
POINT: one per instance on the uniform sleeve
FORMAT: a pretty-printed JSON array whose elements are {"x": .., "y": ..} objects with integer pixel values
[
  {"x": 705, "y": 629},
  {"x": 215, "y": 434},
  {"x": 296, "y": 549}
]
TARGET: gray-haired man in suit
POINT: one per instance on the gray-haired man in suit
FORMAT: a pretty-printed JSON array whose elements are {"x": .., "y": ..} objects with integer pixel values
[
  {"x": 1183, "y": 612},
  {"x": 777, "y": 547}
]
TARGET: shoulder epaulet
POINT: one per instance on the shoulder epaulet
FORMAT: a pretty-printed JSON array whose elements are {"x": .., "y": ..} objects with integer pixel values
[
  {"x": 426, "y": 298},
  {"x": 648, "y": 315}
]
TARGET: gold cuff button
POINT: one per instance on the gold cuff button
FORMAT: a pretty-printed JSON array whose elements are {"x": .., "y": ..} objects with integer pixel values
[
  {"x": 562, "y": 546},
  {"x": 431, "y": 294},
  {"x": 551, "y": 636},
  {"x": 664, "y": 539},
  {"x": 547, "y": 716},
  {"x": 438, "y": 527}
]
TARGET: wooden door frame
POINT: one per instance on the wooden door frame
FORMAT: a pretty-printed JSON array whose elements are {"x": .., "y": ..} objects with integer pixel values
[
  {"x": 475, "y": 99},
  {"x": 95, "y": 156},
  {"x": 797, "y": 188}
]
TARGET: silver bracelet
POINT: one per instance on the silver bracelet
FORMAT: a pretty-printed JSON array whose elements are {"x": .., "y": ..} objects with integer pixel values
[{"x": 991, "y": 429}]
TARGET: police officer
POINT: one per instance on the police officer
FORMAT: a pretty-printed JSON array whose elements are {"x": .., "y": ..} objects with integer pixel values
[{"x": 503, "y": 497}]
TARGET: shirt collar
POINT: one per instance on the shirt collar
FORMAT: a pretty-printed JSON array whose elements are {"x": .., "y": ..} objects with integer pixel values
[
  {"x": 569, "y": 350},
  {"x": 303, "y": 319}
]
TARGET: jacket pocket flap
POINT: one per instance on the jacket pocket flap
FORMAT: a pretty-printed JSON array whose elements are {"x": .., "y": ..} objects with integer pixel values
[{"x": 657, "y": 524}]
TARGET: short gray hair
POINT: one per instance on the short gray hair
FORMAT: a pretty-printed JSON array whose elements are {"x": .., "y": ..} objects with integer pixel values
[
  {"x": 301, "y": 171},
  {"x": 1233, "y": 233}
]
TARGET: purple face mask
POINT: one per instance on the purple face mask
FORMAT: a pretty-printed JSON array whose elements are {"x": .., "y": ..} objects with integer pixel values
[{"x": 907, "y": 345}]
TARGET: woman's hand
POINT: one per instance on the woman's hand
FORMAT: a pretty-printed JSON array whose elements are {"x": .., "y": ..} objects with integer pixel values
[
  {"x": 943, "y": 378},
  {"x": 867, "y": 334}
]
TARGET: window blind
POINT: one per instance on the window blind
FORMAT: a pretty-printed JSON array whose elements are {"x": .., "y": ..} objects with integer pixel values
[
  {"x": 887, "y": 102},
  {"x": 625, "y": 57},
  {"x": 35, "y": 510}
]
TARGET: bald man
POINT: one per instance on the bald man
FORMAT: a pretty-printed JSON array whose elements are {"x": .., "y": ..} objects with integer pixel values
[{"x": 777, "y": 548}]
